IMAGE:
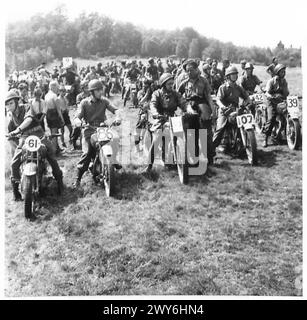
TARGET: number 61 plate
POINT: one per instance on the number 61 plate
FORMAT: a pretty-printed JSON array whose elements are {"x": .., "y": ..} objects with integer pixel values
[
  {"x": 246, "y": 121},
  {"x": 32, "y": 143}
]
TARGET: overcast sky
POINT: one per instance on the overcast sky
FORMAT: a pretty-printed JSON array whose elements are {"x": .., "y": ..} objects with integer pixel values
[{"x": 261, "y": 22}]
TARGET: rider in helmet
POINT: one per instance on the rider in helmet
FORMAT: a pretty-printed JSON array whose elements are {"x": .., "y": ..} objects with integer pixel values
[
  {"x": 276, "y": 92},
  {"x": 228, "y": 101},
  {"x": 15, "y": 112},
  {"x": 195, "y": 87},
  {"x": 164, "y": 103},
  {"x": 249, "y": 81},
  {"x": 93, "y": 111},
  {"x": 26, "y": 124}
]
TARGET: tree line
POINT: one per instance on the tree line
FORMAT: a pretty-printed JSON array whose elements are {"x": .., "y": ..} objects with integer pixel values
[{"x": 52, "y": 36}]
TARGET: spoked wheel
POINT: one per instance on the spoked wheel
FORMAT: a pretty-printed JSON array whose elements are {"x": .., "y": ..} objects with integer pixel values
[
  {"x": 109, "y": 179},
  {"x": 181, "y": 156},
  {"x": 259, "y": 120},
  {"x": 293, "y": 134},
  {"x": 29, "y": 198},
  {"x": 251, "y": 146}
]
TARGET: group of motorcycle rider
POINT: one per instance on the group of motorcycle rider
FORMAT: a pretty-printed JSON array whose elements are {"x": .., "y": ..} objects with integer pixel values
[{"x": 162, "y": 89}]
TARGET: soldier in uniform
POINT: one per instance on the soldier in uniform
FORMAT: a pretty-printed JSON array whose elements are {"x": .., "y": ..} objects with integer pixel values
[
  {"x": 163, "y": 104},
  {"x": 92, "y": 110},
  {"x": 249, "y": 81},
  {"x": 228, "y": 101},
  {"x": 197, "y": 88}
]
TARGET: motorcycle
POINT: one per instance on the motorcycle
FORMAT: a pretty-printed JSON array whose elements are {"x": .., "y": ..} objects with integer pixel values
[
  {"x": 258, "y": 100},
  {"x": 103, "y": 165},
  {"x": 33, "y": 168},
  {"x": 287, "y": 123},
  {"x": 240, "y": 135}
]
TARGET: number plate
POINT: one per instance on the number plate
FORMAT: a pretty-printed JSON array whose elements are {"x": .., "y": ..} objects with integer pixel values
[
  {"x": 293, "y": 106},
  {"x": 259, "y": 98},
  {"x": 177, "y": 124},
  {"x": 246, "y": 121},
  {"x": 32, "y": 143}
]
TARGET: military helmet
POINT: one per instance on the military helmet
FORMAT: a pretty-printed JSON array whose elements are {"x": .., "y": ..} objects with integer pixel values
[
  {"x": 231, "y": 70},
  {"x": 164, "y": 78},
  {"x": 95, "y": 85},
  {"x": 279, "y": 67},
  {"x": 249, "y": 66},
  {"x": 150, "y": 60},
  {"x": 191, "y": 62},
  {"x": 12, "y": 94}
]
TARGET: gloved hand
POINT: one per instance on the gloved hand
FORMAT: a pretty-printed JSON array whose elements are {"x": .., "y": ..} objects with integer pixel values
[
  {"x": 227, "y": 111},
  {"x": 14, "y": 133}
]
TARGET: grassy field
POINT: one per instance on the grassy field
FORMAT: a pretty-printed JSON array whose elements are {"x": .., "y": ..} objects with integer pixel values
[{"x": 237, "y": 230}]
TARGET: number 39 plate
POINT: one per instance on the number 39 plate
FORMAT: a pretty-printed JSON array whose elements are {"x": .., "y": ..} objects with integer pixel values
[
  {"x": 246, "y": 121},
  {"x": 293, "y": 106},
  {"x": 32, "y": 143}
]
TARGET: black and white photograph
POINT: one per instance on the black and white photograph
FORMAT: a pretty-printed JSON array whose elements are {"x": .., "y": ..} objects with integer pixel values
[{"x": 153, "y": 149}]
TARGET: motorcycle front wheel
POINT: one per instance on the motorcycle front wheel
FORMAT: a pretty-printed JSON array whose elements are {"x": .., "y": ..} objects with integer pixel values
[
  {"x": 181, "y": 156},
  {"x": 251, "y": 147},
  {"x": 28, "y": 197},
  {"x": 109, "y": 179},
  {"x": 293, "y": 134}
]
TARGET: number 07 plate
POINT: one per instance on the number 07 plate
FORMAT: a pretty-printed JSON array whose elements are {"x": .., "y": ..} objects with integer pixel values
[{"x": 32, "y": 143}]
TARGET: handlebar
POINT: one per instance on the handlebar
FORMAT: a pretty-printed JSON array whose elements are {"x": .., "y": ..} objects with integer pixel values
[{"x": 101, "y": 125}]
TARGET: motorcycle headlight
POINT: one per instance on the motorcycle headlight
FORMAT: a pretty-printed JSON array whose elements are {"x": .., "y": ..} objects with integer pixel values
[{"x": 109, "y": 135}]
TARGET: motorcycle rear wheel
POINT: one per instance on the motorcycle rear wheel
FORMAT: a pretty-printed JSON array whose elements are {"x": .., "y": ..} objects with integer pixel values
[
  {"x": 293, "y": 132},
  {"x": 260, "y": 120}
]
